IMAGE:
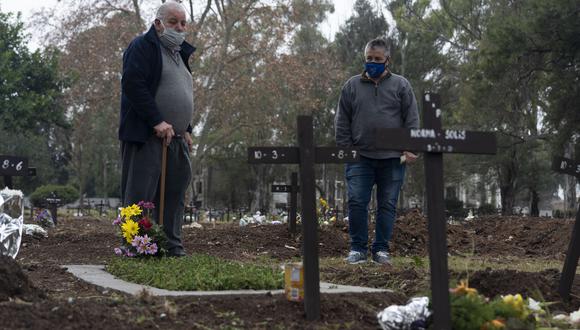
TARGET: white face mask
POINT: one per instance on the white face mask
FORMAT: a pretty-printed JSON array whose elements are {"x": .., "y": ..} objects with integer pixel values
[{"x": 170, "y": 38}]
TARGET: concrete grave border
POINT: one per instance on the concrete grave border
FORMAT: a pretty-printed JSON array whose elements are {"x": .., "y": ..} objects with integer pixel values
[{"x": 97, "y": 275}]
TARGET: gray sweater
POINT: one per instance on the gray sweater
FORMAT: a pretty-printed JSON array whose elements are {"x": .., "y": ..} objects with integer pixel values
[
  {"x": 365, "y": 106},
  {"x": 174, "y": 95}
]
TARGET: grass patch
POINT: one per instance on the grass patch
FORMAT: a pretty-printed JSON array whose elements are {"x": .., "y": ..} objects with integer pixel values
[{"x": 196, "y": 273}]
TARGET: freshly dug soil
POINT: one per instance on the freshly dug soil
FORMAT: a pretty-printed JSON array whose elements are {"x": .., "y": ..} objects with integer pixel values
[
  {"x": 14, "y": 284},
  {"x": 48, "y": 296}
]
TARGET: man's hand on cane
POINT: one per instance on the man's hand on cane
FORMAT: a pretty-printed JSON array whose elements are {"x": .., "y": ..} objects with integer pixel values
[{"x": 164, "y": 131}]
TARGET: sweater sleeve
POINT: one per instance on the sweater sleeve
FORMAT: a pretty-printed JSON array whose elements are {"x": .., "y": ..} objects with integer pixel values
[
  {"x": 343, "y": 119},
  {"x": 137, "y": 69},
  {"x": 409, "y": 111}
]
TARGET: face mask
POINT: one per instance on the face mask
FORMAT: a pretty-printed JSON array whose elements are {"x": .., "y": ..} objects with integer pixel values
[
  {"x": 374, "y": 70},
  {"x": 171, "y": 38}
]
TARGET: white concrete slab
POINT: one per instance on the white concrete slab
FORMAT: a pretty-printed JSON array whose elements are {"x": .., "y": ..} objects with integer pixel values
[{"x": 97, "y": 275}]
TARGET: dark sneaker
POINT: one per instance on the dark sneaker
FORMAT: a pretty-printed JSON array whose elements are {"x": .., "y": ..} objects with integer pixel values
[
  {"x": 382, "y": 257},
  {"x": 355, "y": 257}
]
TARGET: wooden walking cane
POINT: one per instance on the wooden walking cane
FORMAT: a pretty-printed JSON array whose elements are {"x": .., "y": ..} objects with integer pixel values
[{"x": 162, "y": 188}]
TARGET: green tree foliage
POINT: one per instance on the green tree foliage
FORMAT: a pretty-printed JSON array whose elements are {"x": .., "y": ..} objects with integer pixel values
[
  {"x": 65, "y": 193},
  {"x": 367, "y": 23},
  {"x": 504, "y": 66},
  {"x": 32, "y": 119}
]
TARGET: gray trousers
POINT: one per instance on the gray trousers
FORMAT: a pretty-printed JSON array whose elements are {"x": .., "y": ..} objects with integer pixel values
[{"x": 140, "y": 181}]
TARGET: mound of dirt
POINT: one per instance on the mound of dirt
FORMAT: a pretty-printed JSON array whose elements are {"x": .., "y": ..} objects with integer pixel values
[
  {"x": 484, "y": 236},
  {"x": 14, "y": 283},
  {"x": 542, "y": 286}
]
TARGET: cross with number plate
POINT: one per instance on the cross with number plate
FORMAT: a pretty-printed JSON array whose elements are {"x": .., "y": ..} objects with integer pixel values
[
  {"x": 292, "y": 189},
  {"x": 14, "y": 166},
  {"x": 571, "y": 167},
  {"x": 434, "y": 141},
  {"x": 306, "y": 154}
]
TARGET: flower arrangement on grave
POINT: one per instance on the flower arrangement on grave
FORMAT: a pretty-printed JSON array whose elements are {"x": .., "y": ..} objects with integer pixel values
[
  {"x": 44, "y": 219},
  {"x": 469, "y": 309},
  {"x": 323, "y": 212},
  {"x": 141, "y": 237}
]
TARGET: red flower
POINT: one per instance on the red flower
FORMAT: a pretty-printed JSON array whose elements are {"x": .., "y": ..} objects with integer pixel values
[{"x": 145, "y": 224}]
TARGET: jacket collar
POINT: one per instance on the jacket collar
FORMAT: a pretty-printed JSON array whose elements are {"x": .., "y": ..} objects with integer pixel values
[
  {"x": 151, "y": 36},
  {"x": 364, "y": 78}
]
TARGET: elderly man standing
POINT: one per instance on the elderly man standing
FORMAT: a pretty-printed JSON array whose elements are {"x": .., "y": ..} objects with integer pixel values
[
  {"x": 156, "y": 111},
  {"x": 376, "y": 98}
]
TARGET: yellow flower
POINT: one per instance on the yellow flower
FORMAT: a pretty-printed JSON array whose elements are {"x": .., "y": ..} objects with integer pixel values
[
  {"x": 130, "y": 228},
  {"x": 130, "y": 211},
  {"x": 464, "y": 289},
  {"x": 518, "y": 304},
  {"x": 516, "y": 301},
  {"x": 323, "y": 202}
]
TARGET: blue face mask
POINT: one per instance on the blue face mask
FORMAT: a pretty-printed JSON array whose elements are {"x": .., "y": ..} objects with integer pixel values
[{"x": 374, "y": 70}]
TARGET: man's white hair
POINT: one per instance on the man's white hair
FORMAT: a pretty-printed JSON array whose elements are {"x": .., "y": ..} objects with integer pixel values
[{"x": 168, "y": 6}]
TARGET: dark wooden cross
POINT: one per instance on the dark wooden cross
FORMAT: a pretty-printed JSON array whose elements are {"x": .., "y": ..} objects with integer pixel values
[
  {"x": 292, "y": 188},
  {"x": 14, "y": 166},
  {"x": 53, "y": 203},
  {"x": 306, "y": 154},
  {"x": 434, "y": 141},
  {"x": 571, "y": 167}
]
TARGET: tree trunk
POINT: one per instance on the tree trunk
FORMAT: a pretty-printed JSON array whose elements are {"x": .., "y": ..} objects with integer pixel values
[
  {"x": 535, "y": 201},
  {"x": 507, "y": 200},
  {"x": 507, "y": 180}
]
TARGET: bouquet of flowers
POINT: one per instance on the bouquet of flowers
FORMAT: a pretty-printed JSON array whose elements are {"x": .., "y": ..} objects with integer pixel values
[
  {"x": 44, "y": 219},
  {"x": 472, "y": 310},
  {"x": 141, "y": 237}
]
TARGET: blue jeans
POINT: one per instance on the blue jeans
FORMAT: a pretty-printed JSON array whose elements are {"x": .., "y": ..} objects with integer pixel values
[{"x": 388, "y": 175}]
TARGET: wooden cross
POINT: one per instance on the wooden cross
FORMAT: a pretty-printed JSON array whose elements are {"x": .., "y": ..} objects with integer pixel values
[
  {"x": 306, "y": 154},
  {"x": 14, "y": 166},
  {"x": 53, "y": 207},
  {"x": 571, "y": 167},
  {"x": 292, "y": 188},
  {"x": 434, "y": 141}
]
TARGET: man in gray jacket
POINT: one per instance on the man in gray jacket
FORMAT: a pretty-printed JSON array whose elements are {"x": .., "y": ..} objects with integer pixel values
[{"x": 374, "y": 99}]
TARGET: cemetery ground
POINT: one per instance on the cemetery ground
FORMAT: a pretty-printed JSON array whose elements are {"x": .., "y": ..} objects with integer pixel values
[{"x": 499, "y": 255}]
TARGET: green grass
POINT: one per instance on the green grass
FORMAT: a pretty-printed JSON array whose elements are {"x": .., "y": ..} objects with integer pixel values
[{"x": 197, "y": 273}]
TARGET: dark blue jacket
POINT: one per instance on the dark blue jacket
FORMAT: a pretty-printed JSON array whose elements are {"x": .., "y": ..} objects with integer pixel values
[{"x": 142, "y": 65}]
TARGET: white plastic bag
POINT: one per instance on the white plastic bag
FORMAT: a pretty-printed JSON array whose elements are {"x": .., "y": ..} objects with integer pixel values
[{"x": 11, "y": 221}]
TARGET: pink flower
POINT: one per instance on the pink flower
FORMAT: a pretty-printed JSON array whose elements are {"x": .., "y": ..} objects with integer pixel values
[{"x": 118, "y": 251}]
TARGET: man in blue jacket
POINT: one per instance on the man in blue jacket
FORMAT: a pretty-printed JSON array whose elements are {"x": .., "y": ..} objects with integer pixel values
[
  {"x": 156, "y": 110},
  {"x": 374, "y": 99}
]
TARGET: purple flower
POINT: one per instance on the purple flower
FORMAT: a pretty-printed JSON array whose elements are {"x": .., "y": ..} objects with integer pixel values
[
  {"x": 146, "y": 205},
  {"x": 117, "y": 221},
  {"x": 151, "y": 249},
  {"x": 145, "y": 240},
  {"x": 129, "y": 254},
  {"x": 141, "y": 249},
  {"x": 118, "y": 251},
  {"x": 137, "y": 241}
]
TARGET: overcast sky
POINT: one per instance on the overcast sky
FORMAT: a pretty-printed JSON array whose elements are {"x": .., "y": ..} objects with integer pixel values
[{"x": 342, "y": 11}]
